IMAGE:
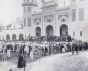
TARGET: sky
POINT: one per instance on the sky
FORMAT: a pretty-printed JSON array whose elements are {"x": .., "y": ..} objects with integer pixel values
[{"x": 12, "y": 9}]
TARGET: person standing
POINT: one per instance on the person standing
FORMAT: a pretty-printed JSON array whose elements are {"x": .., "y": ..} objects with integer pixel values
[
  {"x": 30, "y": 49},
  {"x": 21, "y": 61},
  {"x": 77, "y": 48},
  {"x": 73, "y": 48},
  {"x": 24, "y": 61},
  {"x": 26, "y": 50},
  {"x": 8, "y": 53},
  {"x": 3, "y": 53}
]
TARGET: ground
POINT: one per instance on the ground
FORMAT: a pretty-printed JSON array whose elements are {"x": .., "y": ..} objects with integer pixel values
[{"x": 58, "y": 62}]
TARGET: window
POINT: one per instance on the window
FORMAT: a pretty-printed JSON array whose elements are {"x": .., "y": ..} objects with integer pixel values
[
  {"x": 21, "y": 37},
  {"x": 49, "y": 20},
  {"x": 24, "y": 22},
  {"x": 37, "y": 23},
  {"x": 35, "y": 20},
  {"x": 14, "y": 37},
  {"x": 81, "y": 14},
  {"x": 63, "y": 20},
  {"x": 7, "y": 37},
  {"x": 73, "y": 14},
  {"x": 73, "y": 33},
  {"x": 29, "y": 22},
  {"x": 80, "y": 33}
]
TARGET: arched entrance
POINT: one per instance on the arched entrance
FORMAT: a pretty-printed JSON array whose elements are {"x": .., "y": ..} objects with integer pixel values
[
  {"x": 63, "y": 30},
  {"x": 38, "y": 31},
  {"x": 21, "y": 37},
  {"x": 14, "y": 37},
  {"x": 49, "y": 31}
]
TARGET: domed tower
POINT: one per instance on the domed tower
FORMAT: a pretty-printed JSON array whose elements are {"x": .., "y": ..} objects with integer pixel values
[{"x": 28, "y": 7}]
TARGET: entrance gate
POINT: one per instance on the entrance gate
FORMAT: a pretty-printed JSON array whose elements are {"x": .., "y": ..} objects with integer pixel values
[
  {"x": 63, "y": 30},
  {"x": 49, "y": 31}
]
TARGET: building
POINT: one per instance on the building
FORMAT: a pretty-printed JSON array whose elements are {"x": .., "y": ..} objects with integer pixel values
[{"x": 51, "y": 21}]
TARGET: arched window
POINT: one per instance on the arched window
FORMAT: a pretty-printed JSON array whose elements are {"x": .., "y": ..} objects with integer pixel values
[
  {"x": 14, "y": 37},
  {"x": 63, "y": 20},
  {"x": 21, "y": 37},
  {"x": 7, "y": 37}
]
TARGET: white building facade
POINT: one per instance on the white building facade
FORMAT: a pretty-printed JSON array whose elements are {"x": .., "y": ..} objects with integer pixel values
[{"x": 51, "y": 21}]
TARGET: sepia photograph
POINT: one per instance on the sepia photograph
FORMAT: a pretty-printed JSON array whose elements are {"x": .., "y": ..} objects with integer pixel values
[{"x": 43, "y": 35}]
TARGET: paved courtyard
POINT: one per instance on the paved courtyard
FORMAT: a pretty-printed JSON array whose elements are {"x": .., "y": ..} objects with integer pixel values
[
  {"x": 58, "y": 62},
  {"x": 62, "y": 62}
]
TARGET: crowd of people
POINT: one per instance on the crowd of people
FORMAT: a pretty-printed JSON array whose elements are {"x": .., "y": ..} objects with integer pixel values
[{"x": 36, "y": 50}]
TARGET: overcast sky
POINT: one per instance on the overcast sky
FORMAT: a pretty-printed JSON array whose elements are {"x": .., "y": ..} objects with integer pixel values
[{"x": 12, "y": 9}]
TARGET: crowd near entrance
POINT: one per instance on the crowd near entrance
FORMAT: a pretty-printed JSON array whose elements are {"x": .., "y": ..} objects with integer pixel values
[
  {"x": 35, "y": 50},
  {"x": 38, "y": 31},
  {"x": 63, "y": 30},
  {"x": 43, "y": 46},
  {"x": 7, "y": 37},
  {"x": 14, "y": 37},
  {"x": 49, "y": 31},
  {"x": 21, "y": 37}
]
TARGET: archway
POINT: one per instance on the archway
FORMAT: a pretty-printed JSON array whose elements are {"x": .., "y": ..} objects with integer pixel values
[
  {"x": 63, "y": 30},
  {"x": 38, "y": 31},
  {"x": 21, "y": 37},
  {"x": 14, "y": 37},
  {"x": 7, "y": 37},
  {"x": 49, "y": 31}
]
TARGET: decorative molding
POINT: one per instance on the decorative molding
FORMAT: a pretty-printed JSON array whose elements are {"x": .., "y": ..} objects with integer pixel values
[
  {"x": 48, "y": 18},
  {"x": 37, "y": 21},
  {"x": 59, "y": 17}
]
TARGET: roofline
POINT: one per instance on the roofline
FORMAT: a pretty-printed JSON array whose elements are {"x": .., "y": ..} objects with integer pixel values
[{"x": 63, "y": 8}]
